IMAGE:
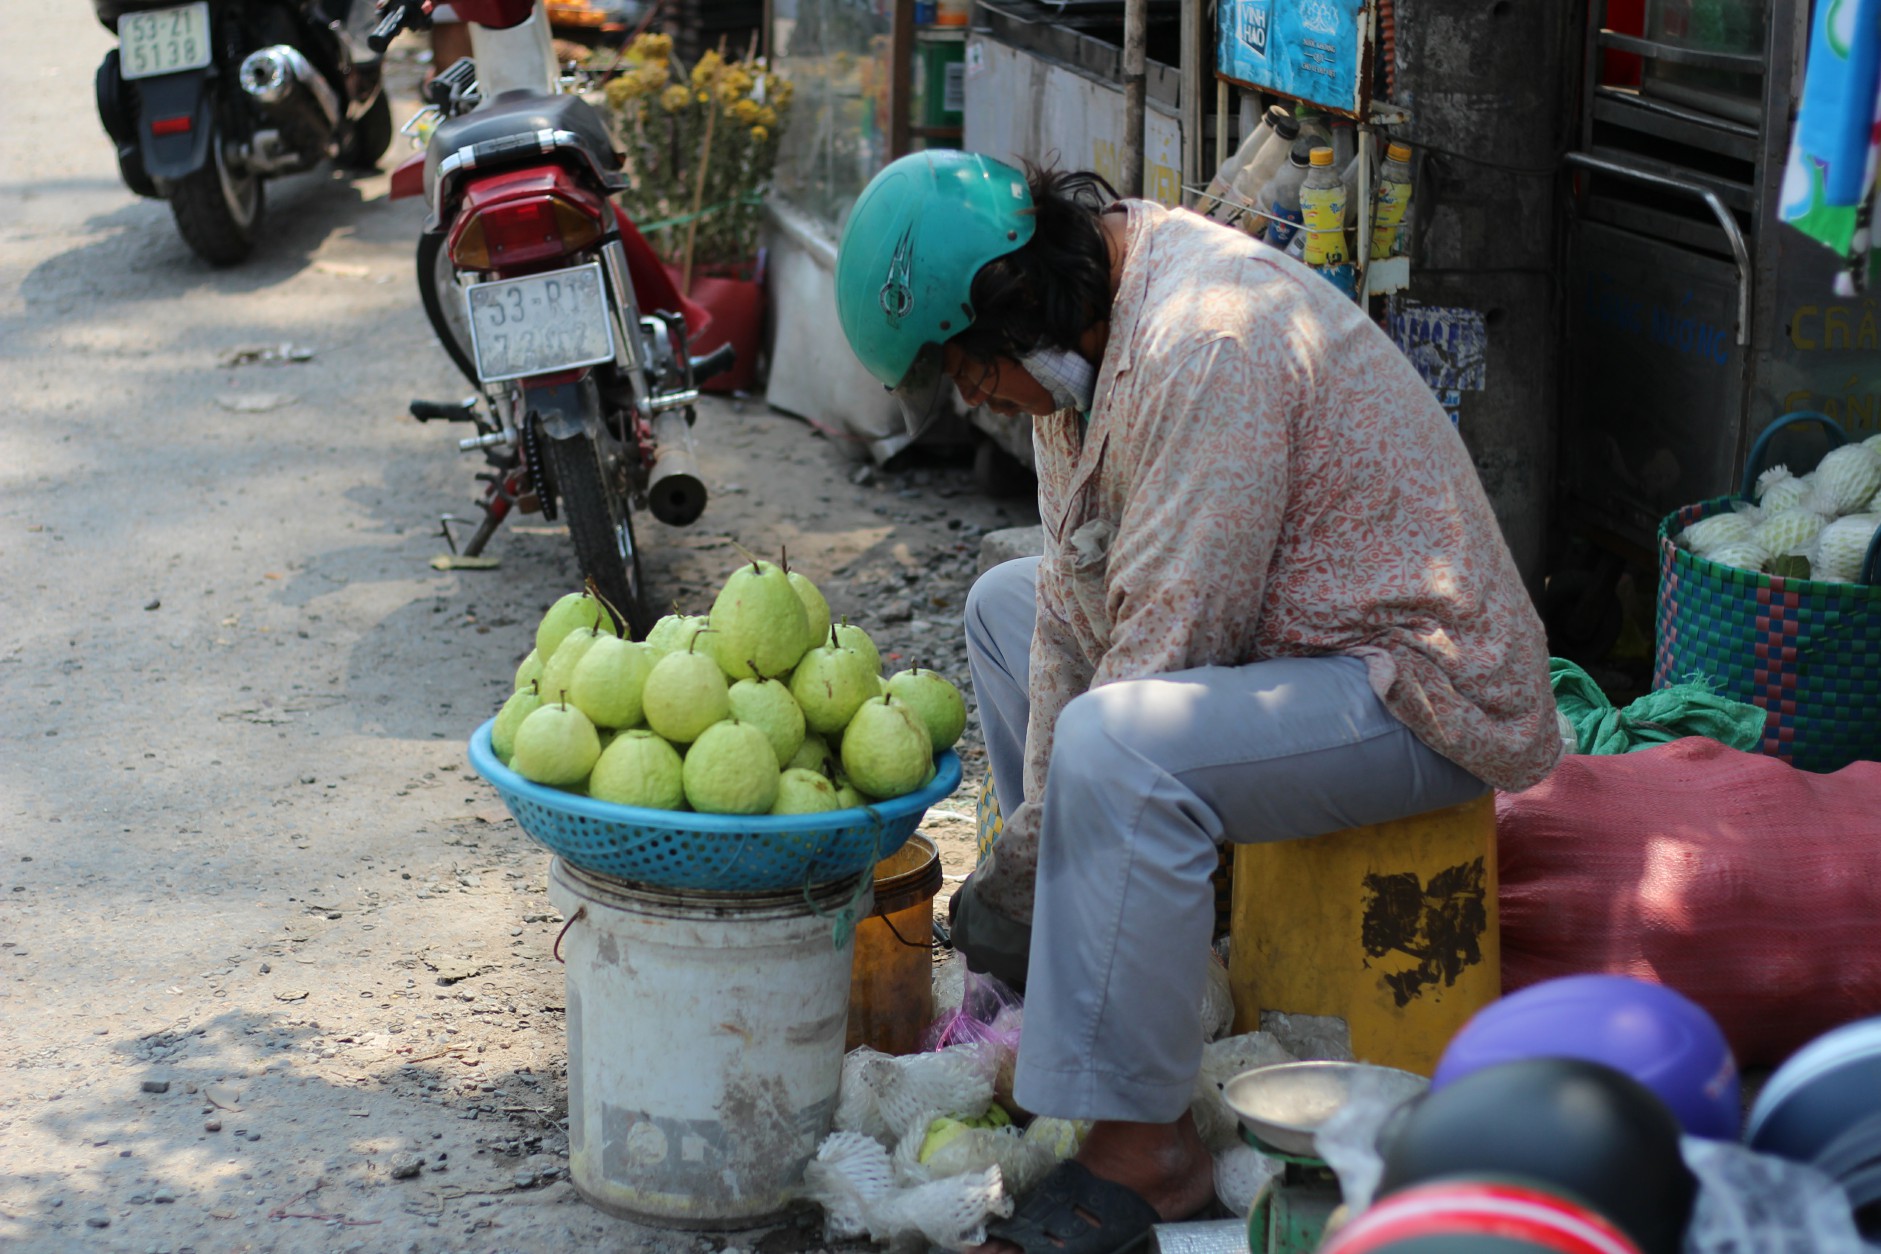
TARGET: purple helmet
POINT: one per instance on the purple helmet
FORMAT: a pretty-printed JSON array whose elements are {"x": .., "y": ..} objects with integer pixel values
[{"x": 1659, "y": 1037}]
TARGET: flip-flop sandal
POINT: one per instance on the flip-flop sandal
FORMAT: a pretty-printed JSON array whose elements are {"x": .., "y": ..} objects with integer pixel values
[{"x": 1074, "y": 1212}]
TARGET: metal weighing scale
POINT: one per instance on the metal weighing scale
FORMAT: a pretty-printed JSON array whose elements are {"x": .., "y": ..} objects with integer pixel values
[{"x": 1279, "y": 1109}]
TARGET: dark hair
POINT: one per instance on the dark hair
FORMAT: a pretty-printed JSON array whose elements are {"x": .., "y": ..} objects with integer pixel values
[{"x": 1046, "y": 292}]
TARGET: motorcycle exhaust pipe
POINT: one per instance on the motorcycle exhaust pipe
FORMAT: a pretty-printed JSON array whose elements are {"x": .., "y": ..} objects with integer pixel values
[
  {"x": 292, "y": 95},
  {"x": 675, "y": 492}
]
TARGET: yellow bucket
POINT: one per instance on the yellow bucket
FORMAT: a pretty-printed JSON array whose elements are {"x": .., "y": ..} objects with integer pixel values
[
  {"x": 1392, "y": 928},
  {"x": 891, "y": 992}
]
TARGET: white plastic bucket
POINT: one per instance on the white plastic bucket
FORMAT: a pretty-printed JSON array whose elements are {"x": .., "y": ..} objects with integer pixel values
[{"x": 705, "y": 1042}]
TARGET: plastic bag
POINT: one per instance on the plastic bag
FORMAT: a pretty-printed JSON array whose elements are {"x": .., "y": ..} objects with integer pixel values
[
  {"x": 1217, "y": 1001},
  {"x": 1222, "y": 1061},
  {"x": 1241, "y": 1171},
  {"x": 990, "y": 1015},
  {"x": 852, "y": 1179},
  {"x": 1751, "y": 1203}
]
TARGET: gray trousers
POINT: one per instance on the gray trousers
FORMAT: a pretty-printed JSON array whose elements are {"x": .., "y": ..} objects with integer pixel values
[{"x": 1147, "y": 778}]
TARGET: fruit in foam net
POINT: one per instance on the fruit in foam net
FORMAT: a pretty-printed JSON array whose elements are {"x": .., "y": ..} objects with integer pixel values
[
  {"x": 850, "y": 636},
  {"x": 555, "y": 745},
  {"x": 768, "y": 706},
  {"x": 1849, "y": 476},
  {"x": 941, "y": 1133},
  {"x": 503, "y": 732},
  {"x": 685, "y": 693},
  {"x": 943, "y": 711},
  {"x": 731, "y": 769},
  {"x": 639, "y": 769},
  {"x": 804, "y": 792},
  {"x": 609, "y": 680},
  {"x": 758, "y": 623},
  {"x": 577, "y": 609},
  {"x": 830, "y": 684},
  {"x": 886, "y": 751}
]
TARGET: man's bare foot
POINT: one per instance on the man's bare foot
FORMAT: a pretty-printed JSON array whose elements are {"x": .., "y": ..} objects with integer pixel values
[{"x": 1165, "y": 1163}]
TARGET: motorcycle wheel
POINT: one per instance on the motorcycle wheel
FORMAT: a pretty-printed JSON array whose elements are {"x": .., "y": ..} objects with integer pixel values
[
  {"x": 371, "y": 136},
  {"x": 601, "y": 525},
  {"x": 444, "y": 306},
  {"x": 217, "y": 210}
]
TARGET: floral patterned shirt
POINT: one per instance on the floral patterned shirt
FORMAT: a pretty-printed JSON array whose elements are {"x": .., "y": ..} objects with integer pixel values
[{"x": 1265, "y": 475}]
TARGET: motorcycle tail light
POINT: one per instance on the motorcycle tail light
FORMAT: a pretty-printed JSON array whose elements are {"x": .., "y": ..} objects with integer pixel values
[{"x": 523, "y": 219}]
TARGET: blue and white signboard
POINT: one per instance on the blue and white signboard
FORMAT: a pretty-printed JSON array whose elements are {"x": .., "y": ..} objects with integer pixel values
[{"x": 1311, "y": 50}]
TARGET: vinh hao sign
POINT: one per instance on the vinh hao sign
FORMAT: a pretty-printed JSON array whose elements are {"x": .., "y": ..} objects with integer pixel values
[{"x": 1312, "y": 50}]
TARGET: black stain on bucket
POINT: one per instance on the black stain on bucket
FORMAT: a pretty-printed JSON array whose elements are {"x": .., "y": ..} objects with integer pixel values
[{"x": 1440, "y": 924}]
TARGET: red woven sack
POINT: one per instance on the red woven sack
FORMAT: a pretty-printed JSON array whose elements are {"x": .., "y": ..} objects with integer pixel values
[{"x": 1750, "y": 886}]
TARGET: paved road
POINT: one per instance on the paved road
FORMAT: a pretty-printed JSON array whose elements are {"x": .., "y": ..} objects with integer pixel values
[{"x": 240, "y": 851}]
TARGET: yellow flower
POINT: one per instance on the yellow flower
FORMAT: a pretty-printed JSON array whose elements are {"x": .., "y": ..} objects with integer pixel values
[
  {"x": 619, "y": 92},
  {"x": 759, "y": 134},
  {"x": 734, "y": 82},
  {"x": 707, "y": 69},
  {"x": 705, "y": 97},
  {"x": 651, "y": 47},
  {"x": 767, "y": 116},
  {"x": 747, "y": 112},
  {"x": 675, "y": 98}
]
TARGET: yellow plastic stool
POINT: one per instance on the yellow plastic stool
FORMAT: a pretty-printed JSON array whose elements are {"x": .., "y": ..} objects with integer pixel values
[{"x": 1392, "y": 928}]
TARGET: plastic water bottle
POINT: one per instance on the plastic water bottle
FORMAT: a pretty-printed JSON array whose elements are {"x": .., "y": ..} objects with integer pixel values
[
  {"x": 1253, "y": 180},
  {"x": 1322, "y": 211},
  {"x": 1390, "y": 200},
  {"x": 1221, "y": 205},
  {"x": 1281, "y": 199}
]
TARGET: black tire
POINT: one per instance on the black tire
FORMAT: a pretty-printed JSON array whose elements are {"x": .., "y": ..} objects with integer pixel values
[
  {"x": 443, "y": 303},
  {"x": 601, "y": 525},
  {"x": 371, "y": 136},
  {"x": 218, "y": 212}
]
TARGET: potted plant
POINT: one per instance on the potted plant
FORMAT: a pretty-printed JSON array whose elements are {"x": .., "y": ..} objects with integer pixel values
[{"x": 701, "y": 143}]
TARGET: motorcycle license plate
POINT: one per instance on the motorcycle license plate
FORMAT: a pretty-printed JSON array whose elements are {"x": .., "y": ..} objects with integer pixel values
[
  {"x": 540, "y": 324},
  {"x": 163, "y": 41}
]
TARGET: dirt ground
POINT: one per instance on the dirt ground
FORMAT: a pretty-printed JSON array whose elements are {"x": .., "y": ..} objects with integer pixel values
[{"x": 262, "y": 931}]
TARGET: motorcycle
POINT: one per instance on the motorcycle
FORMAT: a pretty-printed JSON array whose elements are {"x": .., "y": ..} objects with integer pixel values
[
  {"x": 551, "y": 303},
  {"x": 207, "y": 100}
]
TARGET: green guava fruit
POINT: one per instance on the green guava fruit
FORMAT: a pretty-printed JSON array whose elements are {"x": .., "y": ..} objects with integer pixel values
[
  {"x": 850, "y": 636},
  {"x": 942, "y": 709},
  {"x": 886, "y": 751},
  {"x": 675, "y": 633},
  {"x": 638, "y": 769},
  {"x": 685, "y": 693},
  {"x": 520, "y": 706},
  {"x": 758, "y": 624},
  {"x": 577, "y": 609},
  {"x": 846, "y": 794},
  {"x": 768, "y": 706},
  {"x": 558, "y": 673},
  {"x": 609, "y": 679},
  {"x": 804, "y": 792},
  {"x": 555, "y": 745},
  {"x": 731, "y": 769},
  {"x": 813, "y": 754},
  {"x": 941, "y": 1133},
  {"x": 528, "y": 670},
  {"x": 830, "y": 683},
  {"x": 815, "y": 609}
]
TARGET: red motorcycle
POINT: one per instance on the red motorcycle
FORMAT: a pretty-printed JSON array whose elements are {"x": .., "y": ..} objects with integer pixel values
[{"x": 551, "y": 303}]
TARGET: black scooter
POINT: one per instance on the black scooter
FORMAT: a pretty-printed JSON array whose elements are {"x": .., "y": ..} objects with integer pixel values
[{"x": 206, "y": 100}]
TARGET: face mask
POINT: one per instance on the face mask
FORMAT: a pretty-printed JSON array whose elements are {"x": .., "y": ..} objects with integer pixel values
[{"x": 1071, "y": 380}]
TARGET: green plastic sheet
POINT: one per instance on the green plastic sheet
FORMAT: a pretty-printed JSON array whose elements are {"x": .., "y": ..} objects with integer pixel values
[{"x": 1687, "y": 709}]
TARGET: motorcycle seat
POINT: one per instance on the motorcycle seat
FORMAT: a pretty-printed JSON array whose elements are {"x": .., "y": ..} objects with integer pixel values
[{"x": 524, "y": 113}]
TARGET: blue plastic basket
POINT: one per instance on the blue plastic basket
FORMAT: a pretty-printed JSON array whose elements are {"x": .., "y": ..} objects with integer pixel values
[{"x": 710, "y": 852}]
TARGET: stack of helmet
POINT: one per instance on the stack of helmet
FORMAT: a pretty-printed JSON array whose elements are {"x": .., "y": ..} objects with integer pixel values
[
  {"x": 1823, "y": 1107},
  {"x": 1553, "y": 1124}
]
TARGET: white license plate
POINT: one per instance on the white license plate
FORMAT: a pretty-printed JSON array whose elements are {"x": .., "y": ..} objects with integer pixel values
[
  {"x": 163, "y": 41},
  {"x": 540, "y": 324}
]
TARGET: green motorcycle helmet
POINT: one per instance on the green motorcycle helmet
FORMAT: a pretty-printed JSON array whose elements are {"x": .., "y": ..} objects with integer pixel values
[{"x": 916, "y": 238}]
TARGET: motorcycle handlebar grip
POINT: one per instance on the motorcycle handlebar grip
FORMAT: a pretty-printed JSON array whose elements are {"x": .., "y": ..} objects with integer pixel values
[
  {"x": 388, "y": 28},
  {"x": 713, "y": 364}
]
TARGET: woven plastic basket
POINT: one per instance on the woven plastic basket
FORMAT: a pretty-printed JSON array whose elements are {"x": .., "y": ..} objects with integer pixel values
[
  {"x": 1807, "y": 651},
  {"x": 712, "y": 852}
]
